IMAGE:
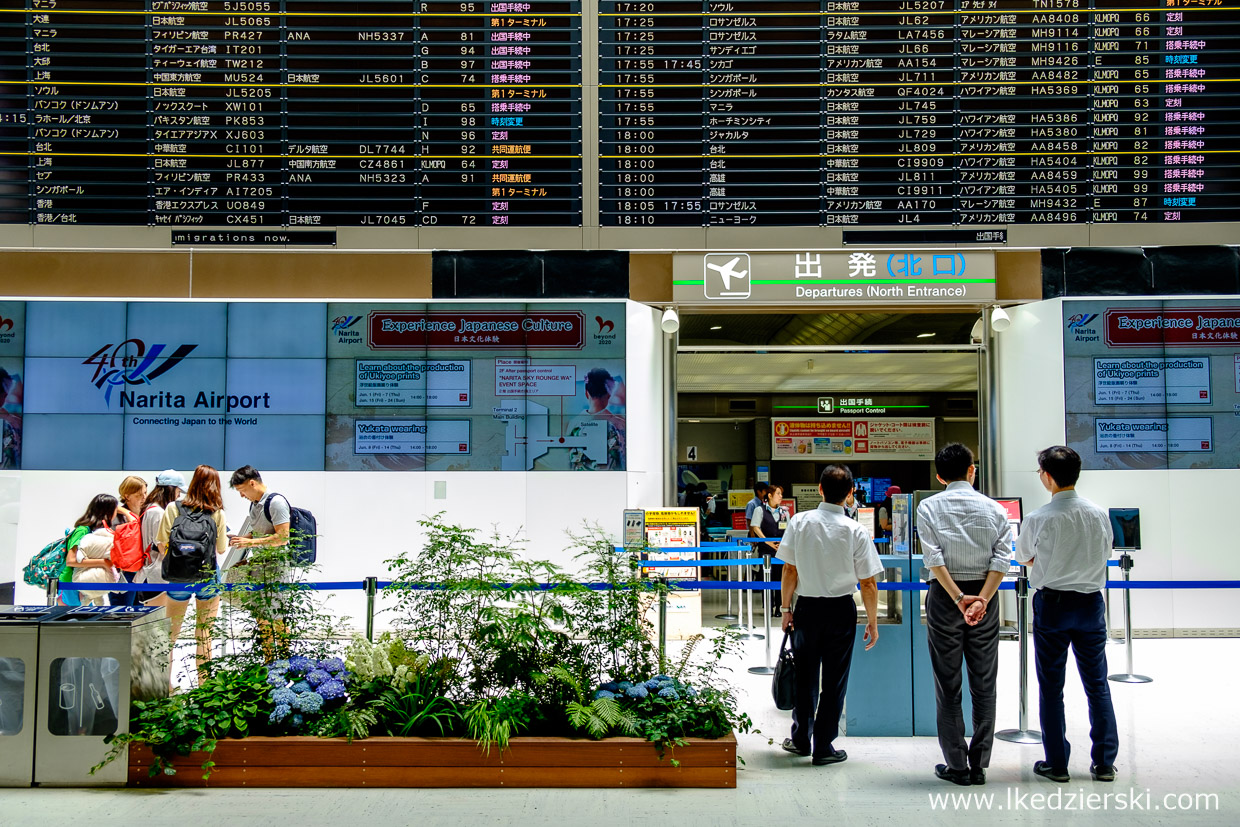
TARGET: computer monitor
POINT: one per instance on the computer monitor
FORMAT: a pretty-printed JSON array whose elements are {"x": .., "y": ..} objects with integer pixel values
[
  {"x": 1012, "y": 506},
  {"x": 1125, "y": 528}
]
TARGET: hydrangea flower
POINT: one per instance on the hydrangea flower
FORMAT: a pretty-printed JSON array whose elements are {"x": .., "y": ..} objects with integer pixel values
[
  {"x": 309, "y": 702},
  {"x": 690, "y": 692},
  {"x": 652, "y": 684},
  {"x": 276, "y": 679},
  {"x": 332, "y": 665},
  {"x": 331, "y": 689},
  {"x": 279, "y": 713},
  {"x": 298, "y": 720},
  {"x": 300, "y": 663},
  {"x": 301, "y": 686},
  {"x": 623, "y": 686},
  {"x": 669, "y": 693},
  {"x": 638, "y": 691},
  {"x": 611, "y": 686},
  {"x": 661, "y": 678},
  {"x": 317, "y": 677},
  {"x": 278, "y": 666},
  {"x": 284, "y": 696},
  {"x": 604, "y": 693}
]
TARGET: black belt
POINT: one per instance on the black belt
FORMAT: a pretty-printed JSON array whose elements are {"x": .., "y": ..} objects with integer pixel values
[{"x": 1059, "y": 596}]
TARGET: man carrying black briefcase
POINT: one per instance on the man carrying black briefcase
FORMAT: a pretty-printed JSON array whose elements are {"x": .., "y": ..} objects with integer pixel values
[{"x": 826, "y": 555}]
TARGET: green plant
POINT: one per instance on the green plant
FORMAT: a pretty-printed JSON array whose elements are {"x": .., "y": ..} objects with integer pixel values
[
  {"x": 232, "y": 700},
  {"x": 493, "y": 721},
  {"x": 170, "y": 727},
  {"x": 598, "y": 717},
  {"x": 413, "y": 709}
]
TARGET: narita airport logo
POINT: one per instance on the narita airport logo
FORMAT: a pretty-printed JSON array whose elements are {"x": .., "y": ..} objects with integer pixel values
[
  {"x": 342, "y": 328},
  {"x": 132, "y": 363},
  {"x": 1080, "y": 326}
]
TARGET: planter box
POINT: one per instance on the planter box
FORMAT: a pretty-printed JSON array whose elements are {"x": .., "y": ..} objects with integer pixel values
[{"x": 447, "y": 762}]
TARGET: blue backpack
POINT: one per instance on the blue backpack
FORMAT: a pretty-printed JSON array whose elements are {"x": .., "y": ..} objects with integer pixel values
[{"x": 302, "y": 530}]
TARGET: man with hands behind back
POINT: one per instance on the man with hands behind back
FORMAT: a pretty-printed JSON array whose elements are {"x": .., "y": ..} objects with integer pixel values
[{"x": 966, "y": 545}]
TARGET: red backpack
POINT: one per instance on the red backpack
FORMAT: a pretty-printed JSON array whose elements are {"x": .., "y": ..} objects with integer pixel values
[{"x": 127, "y": 551}]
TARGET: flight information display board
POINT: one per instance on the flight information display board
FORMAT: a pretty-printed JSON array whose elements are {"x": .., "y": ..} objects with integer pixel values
[
  {"x": 290, "y": 113},
  {"x": 917, "y": 112},
  {"x": 809, "y": 113}
]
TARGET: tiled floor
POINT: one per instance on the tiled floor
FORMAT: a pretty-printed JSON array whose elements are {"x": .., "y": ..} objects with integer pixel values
[{"x": 1178, "y": 737}]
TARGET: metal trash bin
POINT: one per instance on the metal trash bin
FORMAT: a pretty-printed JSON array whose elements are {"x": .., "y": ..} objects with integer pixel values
[
  {"x": 19, "y": 662},
  {"x": 86, "y": 666}
]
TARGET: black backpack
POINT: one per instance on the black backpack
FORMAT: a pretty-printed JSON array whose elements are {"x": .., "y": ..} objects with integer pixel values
[
  {"x": 191, "y": 547},
  {"x": 302, "y": 529}
]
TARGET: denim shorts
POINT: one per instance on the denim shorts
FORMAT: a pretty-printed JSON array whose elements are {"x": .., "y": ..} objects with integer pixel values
[{"x": 211, "y": 593}]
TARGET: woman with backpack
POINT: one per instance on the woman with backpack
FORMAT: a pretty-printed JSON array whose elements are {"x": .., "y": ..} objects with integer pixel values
[
  {"x": 192, "y": 535},
  {"x": 90, "y": 546},
  {"x": 132, "y": 492},
  {"x": 168, "y": 487}
]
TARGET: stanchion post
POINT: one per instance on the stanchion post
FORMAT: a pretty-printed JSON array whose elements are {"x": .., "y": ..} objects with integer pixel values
[
  {"x": 728, "y": 614},
  {"x": 1125, "y": 565},
  {"x": 1022, "y": 734},
  {"x": 743, "y": 631},
  {"x": 662, "y": 623},
  {"x": 766, "y": 610},
  {"x": 53, "y": 590},
  {"x": 372, "y": 587}
]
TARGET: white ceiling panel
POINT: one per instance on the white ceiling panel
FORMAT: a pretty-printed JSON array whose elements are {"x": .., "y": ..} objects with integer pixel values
[{"x": 860, "y": 372}]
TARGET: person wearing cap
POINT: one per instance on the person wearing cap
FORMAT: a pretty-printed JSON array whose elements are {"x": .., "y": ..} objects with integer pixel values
[
  {"x": 884, "y": 511},
  {"x": 966, "y": 544},
  {"x": 169, "y": 485}
]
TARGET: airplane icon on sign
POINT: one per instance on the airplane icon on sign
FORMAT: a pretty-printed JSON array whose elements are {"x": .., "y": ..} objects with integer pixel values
[{"x": 720, "y": 285}]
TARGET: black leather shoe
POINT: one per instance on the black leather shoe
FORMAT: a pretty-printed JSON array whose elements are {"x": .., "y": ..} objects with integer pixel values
[
  {"x": 788, "y": 746},
  {"x": 960, "y": 777},
  {"x": 834, "y": 758},
  {"x": 1044, "y": 769},
  {"x": 1102, "y": 773},
  {"x": 977, "y": 776}
]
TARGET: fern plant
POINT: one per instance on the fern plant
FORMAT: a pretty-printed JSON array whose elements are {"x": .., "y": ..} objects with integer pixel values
[{"x": 598, "y": 717}]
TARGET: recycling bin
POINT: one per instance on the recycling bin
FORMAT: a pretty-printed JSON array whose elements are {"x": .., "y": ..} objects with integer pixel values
[
  {"x": 19, "y": 660},
  {"x": 86, "y": 663}
]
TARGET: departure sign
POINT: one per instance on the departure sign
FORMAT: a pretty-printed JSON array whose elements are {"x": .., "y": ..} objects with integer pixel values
[
  {"x": 917, "y": 112},
  {"x": 290, "y": 113}
]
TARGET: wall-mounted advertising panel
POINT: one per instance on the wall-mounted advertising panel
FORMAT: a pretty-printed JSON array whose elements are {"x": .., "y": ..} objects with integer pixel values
[
  {"x": 1152, "y": 384},
  {"x": 861, "y": 439}
]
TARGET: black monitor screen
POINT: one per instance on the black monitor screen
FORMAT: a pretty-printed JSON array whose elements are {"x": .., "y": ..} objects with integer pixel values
[{"x": 1126, "y": 528}]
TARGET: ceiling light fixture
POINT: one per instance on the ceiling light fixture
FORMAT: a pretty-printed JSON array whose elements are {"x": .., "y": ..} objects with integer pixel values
[
  {"x": 926, "y": 335},
  {"x": 717, "y": 327}
]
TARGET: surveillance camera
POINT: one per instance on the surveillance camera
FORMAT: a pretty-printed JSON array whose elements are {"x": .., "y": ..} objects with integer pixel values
[{"x": 671, "y": 320}]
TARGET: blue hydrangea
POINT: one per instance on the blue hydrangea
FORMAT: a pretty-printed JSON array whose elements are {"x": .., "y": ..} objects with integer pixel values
[
  {"x": 665, "y": 684},
  {"x": 309, "y": 702},
  {"x": 298, "y": 719},
  {"x": 661, "y": 678},
  {"x": 690, "y": 692},
  {"x": 300, "y": 663},
  {"x": 284, "y": 696},
  {"x": 604, "y": 693},
  {"x": 331, "y": 689},
  {"x": 276, "y": 679},
  {"x": 669, "y": 693},
  {"x": 652, "y": 684},
  {"x": 279, "y": 713},
  {"x": 317, "y": 677},
  {"x": 301, "y": 686},
  {"x": 611, "y": 686},
  {"x": 623, "y": 686},
  {"x": 332, "y": 665},
  {"x": 638, "y": 691}
]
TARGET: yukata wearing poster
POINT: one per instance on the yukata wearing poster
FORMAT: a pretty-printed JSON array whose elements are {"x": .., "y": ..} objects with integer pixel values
[{"x": 602, "y": 421}]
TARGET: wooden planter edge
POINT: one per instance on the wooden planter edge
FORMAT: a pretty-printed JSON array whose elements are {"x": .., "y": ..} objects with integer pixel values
[{"x": 299, "y": 761}]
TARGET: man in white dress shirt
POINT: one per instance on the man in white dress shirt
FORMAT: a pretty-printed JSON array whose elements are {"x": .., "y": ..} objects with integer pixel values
[
  {"x": 966, "y": 547},
  {"x": 1068, "y": 542},
  {"x": 826, "y": 555}
]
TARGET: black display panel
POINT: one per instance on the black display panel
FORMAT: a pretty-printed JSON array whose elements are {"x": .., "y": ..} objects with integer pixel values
[
  {"x": 291, "y": 113},
  {"x": 916, "y": 112}
]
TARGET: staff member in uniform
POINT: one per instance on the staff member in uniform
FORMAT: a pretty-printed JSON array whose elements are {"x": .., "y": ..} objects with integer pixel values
[
  {"x": 825, "y": 556},
  {"x": 966, "y": 547},
  {"x": 1067, "y": 542}
]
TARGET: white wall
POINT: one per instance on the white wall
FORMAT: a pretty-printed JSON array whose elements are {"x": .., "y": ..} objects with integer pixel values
[
  {"x": 365, "y": 518},
  {"x": 1183, "y": 512}
]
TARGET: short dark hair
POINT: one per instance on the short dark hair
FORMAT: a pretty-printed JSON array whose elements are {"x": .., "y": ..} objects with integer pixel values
[
  {"x": 759, "y": 489},
  {"x": 1062, "y": 463},
  {"x": 952, "y": 461},
  {"x": 836, "y": 482},
  {"x": 244, "y": 474},
  {"x": 597, "y": 382}
]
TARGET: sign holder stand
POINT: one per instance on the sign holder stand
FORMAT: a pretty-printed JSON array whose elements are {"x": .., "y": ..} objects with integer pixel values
[
  {"x": 1022, "y": 734},
  {"x": 766, "y": 612},
  {"x": 1125, "y": 565}
]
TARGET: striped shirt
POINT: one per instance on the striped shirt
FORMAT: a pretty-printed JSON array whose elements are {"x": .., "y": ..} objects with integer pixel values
[{"x": 964, "y": 530}]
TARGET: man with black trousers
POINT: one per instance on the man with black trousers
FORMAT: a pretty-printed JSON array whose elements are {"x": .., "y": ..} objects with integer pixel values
[
  {"x": 826, "y": 555},
  {"x": 1067, "y": 542},
  {"x": 966, "y": 547}
]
